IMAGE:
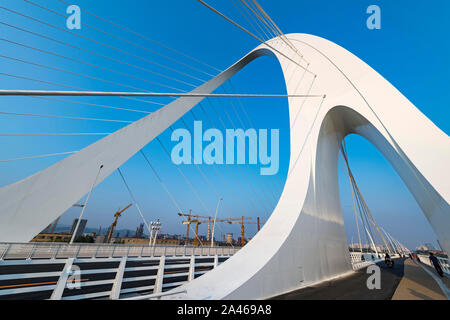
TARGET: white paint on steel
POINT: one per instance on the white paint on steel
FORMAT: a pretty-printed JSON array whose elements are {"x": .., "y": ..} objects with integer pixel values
[
  {"x": 115, "y": 291},
  {"x": 62, "y": 281},
  {"x": 306, "y": 228}
]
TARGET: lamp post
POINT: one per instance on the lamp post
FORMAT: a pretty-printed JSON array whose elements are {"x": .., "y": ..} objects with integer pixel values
[
  {"x": 155, "y": 227},
  {"x": 84, "y": 206},
  {"x": 214, "y": 223}
]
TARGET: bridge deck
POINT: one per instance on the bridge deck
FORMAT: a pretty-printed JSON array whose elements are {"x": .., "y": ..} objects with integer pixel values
[
  {"x": 405, "y": 281},
  {"x": 418, "y": 285}
]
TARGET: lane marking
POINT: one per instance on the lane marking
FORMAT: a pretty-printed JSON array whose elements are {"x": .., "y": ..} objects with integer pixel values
[{"x": 35, "y": 284}]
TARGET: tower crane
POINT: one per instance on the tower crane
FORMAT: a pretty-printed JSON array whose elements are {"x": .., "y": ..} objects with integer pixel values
[
  {"x": 197, "y": 222},
  {"x": 189, "y": 221},
  {"x": 243, "y": 223},
  {"x": 114, "y": 224}
]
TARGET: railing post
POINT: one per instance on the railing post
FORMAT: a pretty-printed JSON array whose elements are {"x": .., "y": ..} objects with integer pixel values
[
  {"x": 142, "y": 250},
  {"x": 78, "y": 251},
  {"x": 62, "y": 281},
  {"x": 185, "y": 251},
  {"x": 112, "y": 253},
  {"x": 115, "y": 291},
  {"x": 5, "y": 252},
  {"x": 216, "y": 261},
  {"x": 96, "y": 251},
  {"x": 55, "y": 255},
  {"x": 128, "y": 252},
  {"x": 31, "y": 252},
  {"x": 192, "y": 269},
  {"x": 160, "y": 275}
]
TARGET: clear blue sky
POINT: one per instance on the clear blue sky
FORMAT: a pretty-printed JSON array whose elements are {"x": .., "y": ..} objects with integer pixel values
[{"x": 410, "y": 51}]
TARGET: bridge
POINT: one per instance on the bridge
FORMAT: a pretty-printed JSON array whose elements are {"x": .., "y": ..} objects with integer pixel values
[
  {"x": 331, "y": 94},
  {"x": 104, "y": 271}
]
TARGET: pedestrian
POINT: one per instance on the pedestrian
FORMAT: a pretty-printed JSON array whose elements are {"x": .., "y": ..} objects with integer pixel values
[{"x": 436, "y": 264}]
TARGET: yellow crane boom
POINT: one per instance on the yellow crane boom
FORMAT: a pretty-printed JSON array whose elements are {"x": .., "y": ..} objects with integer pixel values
[
  {"x": 198, "y": 222},
  {"x": 243, "y": 223},
  {"x": 114, "y": 224}
]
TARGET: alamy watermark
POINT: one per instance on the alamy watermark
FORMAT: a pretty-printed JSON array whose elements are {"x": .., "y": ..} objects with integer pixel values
[
  {"x": 374, "y": 281},
  {"x": 374, "y": 20},
  {"x": 239, "y": 145},
  {"x": 74, "y": 19},
  {"x": 74, "y": 278}
]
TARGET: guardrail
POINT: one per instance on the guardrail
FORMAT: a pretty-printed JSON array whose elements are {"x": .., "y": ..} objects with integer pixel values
[
  {"x": 96, "y": 278},
  {"x": 444, "y": 262},
  {"x": 361, "y": 260},
  {"x": 43, "y": 250}
]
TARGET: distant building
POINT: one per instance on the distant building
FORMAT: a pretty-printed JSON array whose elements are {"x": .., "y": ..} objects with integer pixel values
[
  {"x": 52, "y": 237},
  {"x": 81, "y": 227},
  {"x": 139, "y": 231},
  {"x": 422, "y": 248},
  {"x": 100, "y": 238},
  {"x": 229, "y": 238},
  {"x": 145, "y": 241}
]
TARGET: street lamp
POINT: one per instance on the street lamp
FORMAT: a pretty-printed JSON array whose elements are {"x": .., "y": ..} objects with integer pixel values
[{"x": 155, "y": 227}]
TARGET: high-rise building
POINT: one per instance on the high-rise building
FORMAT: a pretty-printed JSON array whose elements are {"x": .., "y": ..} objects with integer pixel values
[
  {"x": 140, "y": 231},
  {"x": 81, "y": 227}
]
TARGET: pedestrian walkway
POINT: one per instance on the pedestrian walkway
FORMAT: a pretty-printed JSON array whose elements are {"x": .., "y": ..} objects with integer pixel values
[
  {"x": 416, "y": 284},
  {"x": 352, "y": 287}
]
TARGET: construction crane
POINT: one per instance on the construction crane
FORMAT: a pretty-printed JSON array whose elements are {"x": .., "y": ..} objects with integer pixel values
[
  {"x": 189, "y": 221},
  {"x": 198, "y": 222},
  {"x": 243, "y": 223},
  {"x": 114, "y": 224}
]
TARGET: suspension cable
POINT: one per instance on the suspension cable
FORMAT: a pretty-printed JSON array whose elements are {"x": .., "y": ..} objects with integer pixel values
[
  {"x": 91, "y": 104},
  {"x": 125, "y": 40},
  {"x": 133, "y": 199},
  {"x": 251, "y": 34},
  {"x": 145, "y": 38},
  {"x": 158, "y": 177},
  {"x": 251, "y": 185},
  {"x": 61, "y": 117},
  {"x": 98, "y": 54},
  {"x": 70, "y": 72},
  {"x": 145, "y": 94},
  {"x": 269, "y": 30},
  {"x": 278, "y": 31},
  {"x": 107, "y": 46},
  {"x": 245, "y": 17},
  {"x": 86, "y": 63},
  {"x": 42, "y": 93},
  {"x": 39, "y": 156}
]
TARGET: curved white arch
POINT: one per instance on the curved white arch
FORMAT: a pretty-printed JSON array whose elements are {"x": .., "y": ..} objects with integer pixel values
[{"x": 304, "y": 240}]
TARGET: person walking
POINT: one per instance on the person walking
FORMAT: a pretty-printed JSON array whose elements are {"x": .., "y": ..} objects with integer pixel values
[{"x": 436, "y": 264}]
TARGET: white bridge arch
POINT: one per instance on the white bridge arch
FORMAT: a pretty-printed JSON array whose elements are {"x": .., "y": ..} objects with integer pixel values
[{"x": 304, "y": 240}]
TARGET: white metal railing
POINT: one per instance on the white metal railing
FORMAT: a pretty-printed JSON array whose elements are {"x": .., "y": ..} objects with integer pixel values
[
  {"x": 444, "y": 262},
  {"x": 361, "y": 260},
  {"x": 44, "y": 250},
  {"x": 112, "y": 278}
]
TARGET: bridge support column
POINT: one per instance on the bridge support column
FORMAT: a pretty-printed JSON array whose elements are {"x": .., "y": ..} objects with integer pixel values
[{"x": 160, "y": 275}]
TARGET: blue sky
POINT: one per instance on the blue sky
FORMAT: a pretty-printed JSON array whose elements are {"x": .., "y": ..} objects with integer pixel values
[{"x": 409, "y": 51}]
